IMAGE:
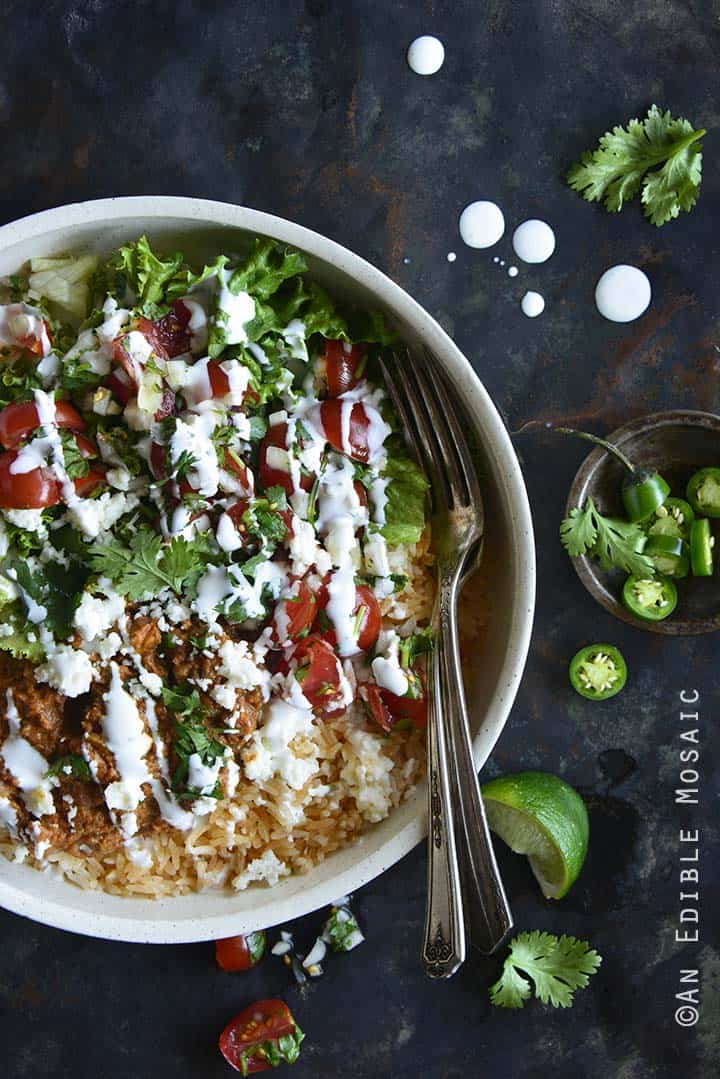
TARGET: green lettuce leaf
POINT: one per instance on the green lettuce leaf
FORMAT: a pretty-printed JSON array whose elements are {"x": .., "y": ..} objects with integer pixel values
[
  {"x": 405, "y": 506},
  {"x": 145, "y": 273},
  {"x": 267, "y": 267}
]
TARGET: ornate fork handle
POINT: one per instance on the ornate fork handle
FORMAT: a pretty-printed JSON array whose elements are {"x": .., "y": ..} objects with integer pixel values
[
  {"x": 487, "y": 912},
  {"x": 443, "y": 949}
]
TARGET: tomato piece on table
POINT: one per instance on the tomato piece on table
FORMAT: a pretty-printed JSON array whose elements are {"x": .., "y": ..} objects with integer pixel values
[
  {"x": 32, "y": 490},
  {"x": 240, "y": 953},
  {"x": 20, "y": 418},
  {"x": 331, "y": 417},
  {"x": 270, "y": 474},
  {"x": 319, "y": 674},
  {"x": 264, "y": 1030},
  {"x": 344, "y": 365}
]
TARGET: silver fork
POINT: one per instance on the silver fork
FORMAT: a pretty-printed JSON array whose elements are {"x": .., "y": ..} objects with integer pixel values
[{"x": 463, "y": 877}]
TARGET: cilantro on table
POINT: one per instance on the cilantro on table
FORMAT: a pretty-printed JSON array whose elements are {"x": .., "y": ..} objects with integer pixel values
[
  {"x": 341, "y": 930},
  {"x": 557, "y": 966},
  {"x": 613, "y": 541},
  {"x": 147, "y": 564},
  {"x": 659, "y": 156}
]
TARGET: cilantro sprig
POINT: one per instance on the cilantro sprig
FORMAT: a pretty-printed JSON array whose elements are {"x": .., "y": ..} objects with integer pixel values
[
  {"x": 147, "y": 564},
  {"x": 612, "y": 541},
  {"x": 659, "y": 156},
  {"x": 557, "y": 966}
]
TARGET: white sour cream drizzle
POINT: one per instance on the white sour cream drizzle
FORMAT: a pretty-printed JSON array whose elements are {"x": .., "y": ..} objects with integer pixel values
[
  {"x": 481, "y": 224},
  {"x": 426, "y": 55},
  {"x": 533, "y": 241},
  {"x": 623, "y": 293},
  {"x": 27, "y": 766},
  {"x": 532, "y": 304}
]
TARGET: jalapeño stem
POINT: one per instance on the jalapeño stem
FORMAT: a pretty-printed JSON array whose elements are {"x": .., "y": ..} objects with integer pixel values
[{"x": 597, "y": 441}]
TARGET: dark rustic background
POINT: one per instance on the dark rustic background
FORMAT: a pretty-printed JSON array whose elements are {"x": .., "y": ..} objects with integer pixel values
[{"x": 310, "y": 111}]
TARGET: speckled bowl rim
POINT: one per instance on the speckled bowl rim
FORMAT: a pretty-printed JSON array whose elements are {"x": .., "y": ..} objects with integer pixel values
[
  {"x": 203, "y": 916},
  {"x": 586, "y": 569}
]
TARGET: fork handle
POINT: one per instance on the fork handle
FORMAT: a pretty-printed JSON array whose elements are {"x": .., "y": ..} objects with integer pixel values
[
  {"x": 488, "y": 917},
  {"x": 443, "y": 948}
]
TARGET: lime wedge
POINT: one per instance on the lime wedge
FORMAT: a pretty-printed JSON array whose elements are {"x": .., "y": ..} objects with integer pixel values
[{"x": 541, "y": 816}]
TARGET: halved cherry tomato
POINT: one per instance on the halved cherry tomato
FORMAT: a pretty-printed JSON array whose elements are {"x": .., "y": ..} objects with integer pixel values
[
  {"x": 412, "y": 708},
  {"x": 85, "y": 485},
  {"x": 331, "y": 419},
  {"x": 122, "y": 358},
  {"x": 319, "y": 674},
  {"x": 342, "y": 362},
  {"x": 240, "y": 469},
  {"x": 32, "y": 490},
  {"x": 241, "y": 952},
  {"x": 370, "y": 623},
  {"x": 242, "y": 1039},
  {"x": 371, "y": 695},
  {"x": 295, "y": 614},
  {"x": 19, "y": 418},
  {"x": 276, "y": 477},
  {"x": 121, "y": 385}
]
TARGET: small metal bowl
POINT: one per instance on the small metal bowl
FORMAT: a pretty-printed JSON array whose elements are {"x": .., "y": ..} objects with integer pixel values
[{"x": 676, "y": 444}]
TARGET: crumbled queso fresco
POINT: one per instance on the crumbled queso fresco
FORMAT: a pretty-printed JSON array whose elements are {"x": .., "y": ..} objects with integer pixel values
[{"x": 208, "y": 519}]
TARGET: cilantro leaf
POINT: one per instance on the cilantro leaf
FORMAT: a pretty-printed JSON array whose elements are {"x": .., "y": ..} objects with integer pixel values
[
  {"x": 56, "y": 588},
  {"x": 577, "y": 532},
  {"x": 69, "y": 766},
  {"x": 615, "y": 543},
  {"x": 76, "y": 465},
  {"x": 147, "y": 565},
  {"x": 557, "y": 965},
  {"x": 627, "y": 159}
]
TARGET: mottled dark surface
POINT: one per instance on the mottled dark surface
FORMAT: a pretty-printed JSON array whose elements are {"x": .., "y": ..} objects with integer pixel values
[{"x": 311, "y": 112}]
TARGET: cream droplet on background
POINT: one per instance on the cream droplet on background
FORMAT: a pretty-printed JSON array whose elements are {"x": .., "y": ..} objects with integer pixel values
[
  {"x": 426, "y": 55},
  {"x": 513, "y": 271},
  {"x": 532, "y": 304},
  {"x": 533, "y": 241},
  {"x": 623, "y": 293},
  {"x": 451, "y": 256},
  {"x": 481, "y": 224}
]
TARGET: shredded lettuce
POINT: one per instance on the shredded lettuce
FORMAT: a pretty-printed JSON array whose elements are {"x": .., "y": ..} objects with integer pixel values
[{"x": 405, "y": 506}]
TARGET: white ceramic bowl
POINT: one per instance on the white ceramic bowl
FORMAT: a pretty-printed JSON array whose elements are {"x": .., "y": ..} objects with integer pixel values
[{"x": 498, "y": 617}]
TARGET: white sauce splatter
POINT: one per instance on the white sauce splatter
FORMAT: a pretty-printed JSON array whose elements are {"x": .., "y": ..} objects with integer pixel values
[
  {"x": 451, "y": 256},
  {"x": 532, "y": 304},
  {"x": 533, "y": 241},
  {"x": 513, "y": 271},
  {"x": 623, "y": 293},
  {"x": 481, "y": 224},
  {"x": 426, "y": 55}
]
